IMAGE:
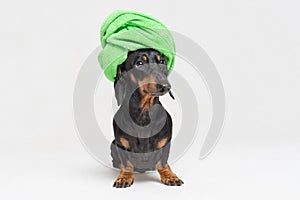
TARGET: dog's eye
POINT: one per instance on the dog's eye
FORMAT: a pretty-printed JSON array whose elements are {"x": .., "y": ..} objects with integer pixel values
[
  {"x": 161, "y": 61},
  {"x": 139, "y": 63}
]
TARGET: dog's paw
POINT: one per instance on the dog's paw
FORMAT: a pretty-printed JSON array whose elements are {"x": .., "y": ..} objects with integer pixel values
[
  {"x": 171, "y": 180},
  {"x": 123, "y": 183},
  {"x": 124, "y": 180}
]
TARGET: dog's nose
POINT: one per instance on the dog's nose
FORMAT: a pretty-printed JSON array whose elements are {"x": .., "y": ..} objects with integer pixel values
[{"x": 164, "y": 87}]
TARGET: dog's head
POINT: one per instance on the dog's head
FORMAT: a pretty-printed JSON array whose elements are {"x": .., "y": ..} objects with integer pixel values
[{"x": 145, "y": 70}]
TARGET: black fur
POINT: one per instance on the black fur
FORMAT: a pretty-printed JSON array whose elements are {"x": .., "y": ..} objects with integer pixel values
[{"x": 143, "y": 152}]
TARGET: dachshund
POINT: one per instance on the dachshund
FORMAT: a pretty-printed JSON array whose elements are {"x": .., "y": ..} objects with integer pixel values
[{"x": 142, "y": 127}]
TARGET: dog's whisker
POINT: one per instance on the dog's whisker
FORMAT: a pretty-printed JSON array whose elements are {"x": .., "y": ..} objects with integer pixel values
[{"x": 170, "y": 93}]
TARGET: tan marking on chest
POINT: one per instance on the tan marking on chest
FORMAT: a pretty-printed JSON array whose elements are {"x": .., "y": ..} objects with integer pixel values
[
  {"x": 124, "y": 143},
  {"x": 162, "y": 143},
  {"x": 146, "y": 102}
]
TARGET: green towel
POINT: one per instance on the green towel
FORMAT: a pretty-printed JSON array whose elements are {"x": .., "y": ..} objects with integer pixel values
[{"x": 124, "y": 31}]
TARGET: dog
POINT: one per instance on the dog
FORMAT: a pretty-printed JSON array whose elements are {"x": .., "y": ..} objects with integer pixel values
[{"x": 139, "y": 82}]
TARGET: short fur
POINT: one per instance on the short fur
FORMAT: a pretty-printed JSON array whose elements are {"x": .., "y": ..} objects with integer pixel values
[{"x": 148, "y": 82}]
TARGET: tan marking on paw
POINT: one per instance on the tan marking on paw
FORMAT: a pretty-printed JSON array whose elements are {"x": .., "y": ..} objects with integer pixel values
[
  {"x": 125, "y": 179},
  {"x": 168, "y": 177}
]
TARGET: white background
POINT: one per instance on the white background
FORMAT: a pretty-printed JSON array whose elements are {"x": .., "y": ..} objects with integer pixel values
[{"x": 255, "y": 46}]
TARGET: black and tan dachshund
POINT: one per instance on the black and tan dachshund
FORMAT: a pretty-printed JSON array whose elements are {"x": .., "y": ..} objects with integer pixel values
[{"x": 142, "y": 127}]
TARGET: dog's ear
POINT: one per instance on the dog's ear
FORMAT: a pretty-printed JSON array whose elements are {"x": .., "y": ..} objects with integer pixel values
[{"x": 119, "y": 84}]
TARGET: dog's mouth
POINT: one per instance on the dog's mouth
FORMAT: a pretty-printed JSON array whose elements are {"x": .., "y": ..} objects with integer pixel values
[{"x": 157, "y": 94}]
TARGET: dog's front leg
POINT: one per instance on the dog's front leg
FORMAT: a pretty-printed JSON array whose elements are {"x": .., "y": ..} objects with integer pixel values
[
  {"x": 167, "y": 176},
  {"x": 125, "y": 178}
]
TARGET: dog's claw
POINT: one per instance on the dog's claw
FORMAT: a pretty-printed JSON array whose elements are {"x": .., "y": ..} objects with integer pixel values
[{"x": 179, "y": 183}]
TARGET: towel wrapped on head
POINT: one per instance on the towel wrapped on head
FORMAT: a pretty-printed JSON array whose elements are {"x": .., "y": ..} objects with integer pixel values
[{"x": 125, "y": 31}]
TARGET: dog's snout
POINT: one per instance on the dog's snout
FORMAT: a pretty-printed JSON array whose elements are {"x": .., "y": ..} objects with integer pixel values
[{"x": 164, "y": 87}]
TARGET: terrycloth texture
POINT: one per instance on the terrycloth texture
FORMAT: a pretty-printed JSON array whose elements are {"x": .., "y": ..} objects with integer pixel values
[{"x": 124, "y": 31}]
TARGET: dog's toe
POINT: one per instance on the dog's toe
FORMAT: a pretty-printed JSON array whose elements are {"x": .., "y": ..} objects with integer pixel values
[{"x": 171, "y": 183}]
